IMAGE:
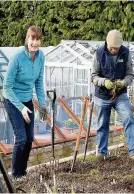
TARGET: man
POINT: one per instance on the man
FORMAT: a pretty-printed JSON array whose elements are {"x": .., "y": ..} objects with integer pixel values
[{"x": 112, "y": 72}]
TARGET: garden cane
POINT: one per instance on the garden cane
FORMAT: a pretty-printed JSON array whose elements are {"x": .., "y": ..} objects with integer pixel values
[
  {"x": 88, "y": 132},
  {"x": 2, "y": 166},
  {"x": 52, "y": 117},
  {"x": 6, "y": 177},
  {"x": 79, "y": 132}
]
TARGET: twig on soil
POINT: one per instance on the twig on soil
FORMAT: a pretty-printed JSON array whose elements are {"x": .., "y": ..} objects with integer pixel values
[
  {"x": 41, "y": 178},
  {"x": 48, "y": 188},
  {"x": 55, "y": 187}
]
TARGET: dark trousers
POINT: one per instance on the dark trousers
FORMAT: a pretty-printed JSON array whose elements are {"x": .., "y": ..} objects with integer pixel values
[{"x": 24, "y": 135}]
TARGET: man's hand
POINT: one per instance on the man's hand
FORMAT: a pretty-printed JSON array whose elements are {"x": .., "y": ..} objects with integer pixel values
[
  {"x": 25, "y": 115},
  {"x": 95, "y": 82},
  {"x": 43, "y": 112},
  {"x": 120, "y": 84},
  {"x": 109, "y": 84}
]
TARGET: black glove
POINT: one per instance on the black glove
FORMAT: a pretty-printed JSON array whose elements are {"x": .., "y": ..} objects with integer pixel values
[{"x": 43, "y": 112}]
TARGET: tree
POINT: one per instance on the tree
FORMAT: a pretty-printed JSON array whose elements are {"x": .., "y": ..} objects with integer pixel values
[{"x": 74, "y": 20}]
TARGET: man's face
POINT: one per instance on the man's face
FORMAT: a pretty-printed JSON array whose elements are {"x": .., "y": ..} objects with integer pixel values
[
  {"x": 113, "y": 50},
  {"x": 33, "y": 44}
]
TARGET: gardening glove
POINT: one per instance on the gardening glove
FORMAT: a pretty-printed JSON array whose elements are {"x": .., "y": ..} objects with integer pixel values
[
  {"x": 43, "y": 112},
  {"x": 120, "y": 84},
  {"x": 25, "y": 115},
  {"x": 95, "y": 82},
  {"x": 109, "y": 84}
]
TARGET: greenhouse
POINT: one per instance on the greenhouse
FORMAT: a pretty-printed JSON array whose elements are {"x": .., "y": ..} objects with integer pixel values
[{"x": 68, "y": 72}]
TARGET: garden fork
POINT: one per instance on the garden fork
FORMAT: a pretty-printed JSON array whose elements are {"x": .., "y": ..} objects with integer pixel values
[{"x": 53, "y": 163}]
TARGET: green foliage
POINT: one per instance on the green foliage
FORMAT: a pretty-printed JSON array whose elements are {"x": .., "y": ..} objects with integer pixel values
[
  {"x": 70, "y": 123},
  {"x": 83, "y": 20},
  {"x": 72, "y": 191},
  {"x": 96, "y": 174},
  {"x": 90, "y": 158}
]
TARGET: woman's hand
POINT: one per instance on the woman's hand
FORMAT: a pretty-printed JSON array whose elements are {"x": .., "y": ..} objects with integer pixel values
[{"x": 25, "y": 115}]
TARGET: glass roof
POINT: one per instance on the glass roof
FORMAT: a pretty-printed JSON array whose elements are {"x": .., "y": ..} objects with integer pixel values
[{"x": 77, "y": 52}]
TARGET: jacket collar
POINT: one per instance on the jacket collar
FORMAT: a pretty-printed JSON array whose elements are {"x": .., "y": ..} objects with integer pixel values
[{"x": 29, "y": 54}]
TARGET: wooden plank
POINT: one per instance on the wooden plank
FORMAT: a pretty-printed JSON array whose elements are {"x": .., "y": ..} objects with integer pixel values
[
  {"x": 3, "y": 148},
  {"x": 70, "y": 112},
  {"x": 48, "y": 120}
]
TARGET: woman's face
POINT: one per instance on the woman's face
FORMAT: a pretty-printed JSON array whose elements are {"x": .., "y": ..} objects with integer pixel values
[{"x": 33, "y": 44}]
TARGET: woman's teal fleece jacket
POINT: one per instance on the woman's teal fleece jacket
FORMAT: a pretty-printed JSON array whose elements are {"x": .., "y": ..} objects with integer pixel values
[{"x": 22, "y": 76}]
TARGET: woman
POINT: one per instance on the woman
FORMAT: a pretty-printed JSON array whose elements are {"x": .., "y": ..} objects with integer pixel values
[{"x": 25, "y": 70}]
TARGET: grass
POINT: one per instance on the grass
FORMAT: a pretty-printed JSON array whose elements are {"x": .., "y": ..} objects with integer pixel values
[{"x": 90, "y": 158}]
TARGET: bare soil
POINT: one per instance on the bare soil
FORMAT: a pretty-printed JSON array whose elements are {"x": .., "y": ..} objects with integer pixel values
[{"x": 115, "y": 174}]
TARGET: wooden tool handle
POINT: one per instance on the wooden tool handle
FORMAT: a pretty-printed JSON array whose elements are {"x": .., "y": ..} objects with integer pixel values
[{"x": 81, "y": 122}]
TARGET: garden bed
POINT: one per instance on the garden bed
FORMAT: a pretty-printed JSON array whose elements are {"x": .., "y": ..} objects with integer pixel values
[{"x": 115, "y": 174}]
